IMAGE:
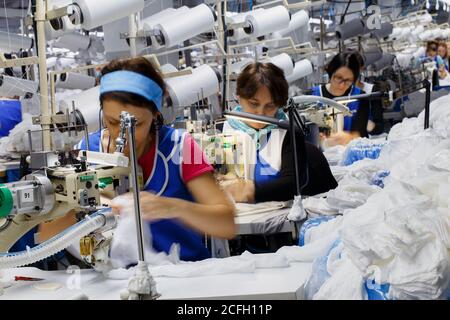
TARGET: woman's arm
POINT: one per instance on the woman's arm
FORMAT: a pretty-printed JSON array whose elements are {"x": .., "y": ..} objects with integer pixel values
[
  {"x": 360, "y": 119},
  {"x": 212, "y": 213},
  {"x": 283, "y": 187}
]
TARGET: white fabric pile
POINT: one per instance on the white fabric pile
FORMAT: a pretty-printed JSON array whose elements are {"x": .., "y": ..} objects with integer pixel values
[
  {"x": 398, "y": 235},
  {"x": 18, "y": 139},
  {"x": 351, "y": 193},
  {"x": 334, "y": 154}
]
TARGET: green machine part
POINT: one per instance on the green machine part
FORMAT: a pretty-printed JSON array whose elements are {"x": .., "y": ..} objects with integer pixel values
[
  {"x": 103, "y": 182},
  {"x": 6, "y": 201}
]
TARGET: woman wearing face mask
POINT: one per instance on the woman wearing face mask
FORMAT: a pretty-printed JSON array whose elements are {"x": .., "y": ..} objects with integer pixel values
[
  {"x": 263, "y": 90},
  {"x": 343, "y": 71},
  {"x": 174, "y": 201}
]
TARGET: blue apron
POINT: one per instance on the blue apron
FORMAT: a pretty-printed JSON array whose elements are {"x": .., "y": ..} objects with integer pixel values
[
  {"x": 166, "y": 180},
  {"x": 263, "y": 171},
  {"x": 353, "y": 106}
]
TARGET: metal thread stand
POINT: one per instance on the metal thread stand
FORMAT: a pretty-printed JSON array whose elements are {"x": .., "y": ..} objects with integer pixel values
[
  {"x": 142, "y": 283},
  {"x": 301, "y": 169},
  {"x": 427, "y": 104}
]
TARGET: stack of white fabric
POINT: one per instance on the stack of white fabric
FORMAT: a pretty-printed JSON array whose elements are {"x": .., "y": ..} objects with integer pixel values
[
  {"x": 316, "y": 207},
  {"x": 18, "y": 140},
  {"x": 403, "y": 239},
  {"x": 351, "y": 193},
  {"x": 399, "y": 235}
]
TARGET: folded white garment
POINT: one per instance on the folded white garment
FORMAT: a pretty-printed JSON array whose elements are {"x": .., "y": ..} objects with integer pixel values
[
  {"x": 318, "y": 206},
  {"x": 309, "y": 252},
  {"x": 245, "y": 263},
  {"x": 206, "y": 267},
  {"x": 255, "y": 208},
  {"x": 185, "y": 269},
  {"x": 267, "y": 260}
]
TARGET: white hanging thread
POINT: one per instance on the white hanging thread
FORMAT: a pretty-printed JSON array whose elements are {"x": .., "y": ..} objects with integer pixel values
[
  {"x": 427, "y": 4},
  {"x": 437, "y": 5}
]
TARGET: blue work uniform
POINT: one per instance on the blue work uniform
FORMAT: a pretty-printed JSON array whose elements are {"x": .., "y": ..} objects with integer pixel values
[{"x": 166, "y": 180}]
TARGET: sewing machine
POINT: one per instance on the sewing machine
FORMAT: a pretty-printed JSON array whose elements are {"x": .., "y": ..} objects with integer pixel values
[
  {"x": 223, "y": 151},
  {"x": 63, "y": 182}
]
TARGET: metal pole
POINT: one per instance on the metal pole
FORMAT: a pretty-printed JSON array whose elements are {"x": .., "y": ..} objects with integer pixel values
[
  {"x": 427, "y": 104},
  {"x": 294, "y": 148},
  {"x": 131, "y": 124},
  {"x": 43, "y": 84},
  {"x": 303, "y": 154},
  {"x": 225, "y": 61}
]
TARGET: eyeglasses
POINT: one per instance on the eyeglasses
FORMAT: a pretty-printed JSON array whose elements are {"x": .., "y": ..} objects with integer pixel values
[{"x": 339, "y": 80}]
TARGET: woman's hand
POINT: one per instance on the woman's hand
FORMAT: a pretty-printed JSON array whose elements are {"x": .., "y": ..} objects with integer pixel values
[
  {"x": 155, "y": 207},
  {"x": 225, "y": 177},
  {"x": 442, "y": 72},
  {"x": 241, "y": 190},
  {"x": 340, "y": 138},
  {"x": 370, "y": 126}
]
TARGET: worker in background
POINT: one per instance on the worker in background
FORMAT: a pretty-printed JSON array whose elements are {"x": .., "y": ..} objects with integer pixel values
[
  {"x": 443, "y": 53},
  {"x": 181, "y": 200},
  {"x": 263, "y": 90},
  {"x": 343, "y": 71},
  {"x": 375, "y": 124},
  {"x": 431, "y": 54},
  {"x": 11, "y": 114}
]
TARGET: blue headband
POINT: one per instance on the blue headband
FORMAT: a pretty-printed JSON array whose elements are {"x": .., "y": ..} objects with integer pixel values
[{"x": 133, "y": 82}]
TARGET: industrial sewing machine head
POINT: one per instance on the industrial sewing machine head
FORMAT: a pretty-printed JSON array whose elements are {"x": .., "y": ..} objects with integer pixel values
[
  {"x": 62, "y": 182},
  {"x": 225, "y": 152}
]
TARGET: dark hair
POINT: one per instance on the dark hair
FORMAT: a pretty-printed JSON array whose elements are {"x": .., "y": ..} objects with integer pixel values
[
  {"x": 344, "y": 59},
  {"x": 260, "y": 74},
  {"x": 139, "y": 65},
  {"x": 357, "y": 55},
  {"x": 432, "y": 45}
]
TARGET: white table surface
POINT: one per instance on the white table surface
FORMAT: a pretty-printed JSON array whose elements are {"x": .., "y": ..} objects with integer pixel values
[{"x": 277, "y": 283}]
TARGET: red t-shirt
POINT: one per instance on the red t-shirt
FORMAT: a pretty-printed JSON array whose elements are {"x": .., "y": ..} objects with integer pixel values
[{"x": 194, "y": 161}]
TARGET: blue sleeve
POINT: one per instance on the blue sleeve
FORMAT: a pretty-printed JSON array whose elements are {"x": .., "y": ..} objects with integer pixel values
[{"x": 94, "y": 142}]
